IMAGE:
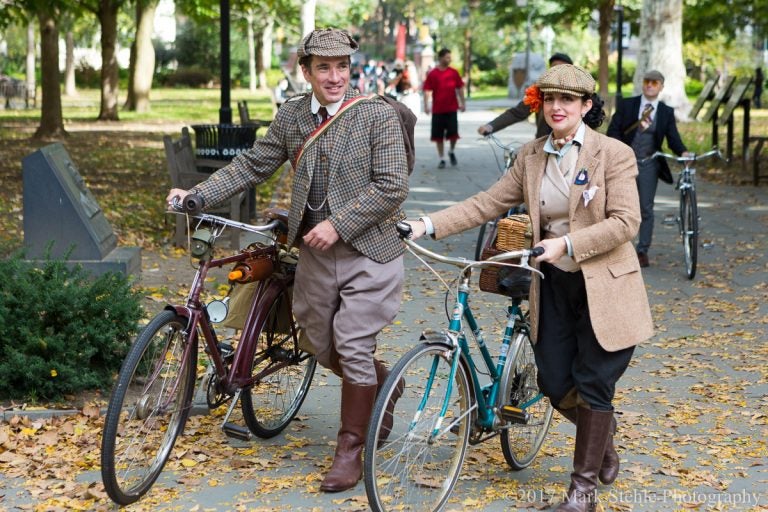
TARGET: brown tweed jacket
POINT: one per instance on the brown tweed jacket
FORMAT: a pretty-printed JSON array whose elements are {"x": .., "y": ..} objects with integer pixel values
[
  {"x": 601, "y": 232},
  {"x": 368, "y": 176}
]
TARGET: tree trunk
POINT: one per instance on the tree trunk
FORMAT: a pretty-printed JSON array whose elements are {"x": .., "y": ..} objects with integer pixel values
[
  {"x": 109, "y": 69},
  {"x": 51, "y": 119},
  {"x": 266, "y": 53},
  {"x": 251, "y": 42},
  {"x": 70, "y": 88},
  {"x": 660, "y": 47},
  {"x": 142, "y": 58},
  {"x": 30, "y": 71},
  {"x": 604, "y": 31}
]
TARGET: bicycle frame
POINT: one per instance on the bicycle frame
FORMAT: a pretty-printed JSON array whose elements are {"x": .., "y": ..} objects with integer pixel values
[
  {"x": 485, "y": 396},
  {"x": 237, "y": 376}
]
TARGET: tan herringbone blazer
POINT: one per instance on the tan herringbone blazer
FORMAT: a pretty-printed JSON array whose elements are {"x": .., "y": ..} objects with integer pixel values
[
  {"x": 601, "y": 232},
  {"x": 368, "y": 176}
]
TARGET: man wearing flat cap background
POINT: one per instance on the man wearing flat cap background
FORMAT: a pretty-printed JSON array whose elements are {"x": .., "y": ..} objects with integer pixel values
[
  {"x": 350, "y": 180},
  {"x": 521, "y": 111},
  {"x": 643, "y": 122}
]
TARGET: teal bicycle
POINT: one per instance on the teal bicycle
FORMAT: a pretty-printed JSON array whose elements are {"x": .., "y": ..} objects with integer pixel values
[{"x": 433, "y": 403}]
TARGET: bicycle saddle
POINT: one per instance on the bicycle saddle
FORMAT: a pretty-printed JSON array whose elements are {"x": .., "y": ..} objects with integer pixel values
[{"x": 514, "y": 282}]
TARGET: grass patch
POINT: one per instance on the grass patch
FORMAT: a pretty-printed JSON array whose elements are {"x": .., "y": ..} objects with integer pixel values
[{"x": 122, "y": 163}]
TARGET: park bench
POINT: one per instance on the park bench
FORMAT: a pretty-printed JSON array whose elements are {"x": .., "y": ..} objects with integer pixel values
[
  {"x": 245, "y": 117},
  {"x": 184, "y": 170},
  {"x": 13, "y": 93},
  {"x": 756, "y": 153}
]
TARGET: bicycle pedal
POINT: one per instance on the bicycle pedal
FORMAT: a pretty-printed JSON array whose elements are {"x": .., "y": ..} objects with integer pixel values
[
  {"x": 514, "y": 414},
  {"x": 236, "y": 431}
]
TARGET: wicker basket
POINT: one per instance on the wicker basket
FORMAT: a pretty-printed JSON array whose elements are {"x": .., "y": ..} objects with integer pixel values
[{"x": 513, "y": 233}]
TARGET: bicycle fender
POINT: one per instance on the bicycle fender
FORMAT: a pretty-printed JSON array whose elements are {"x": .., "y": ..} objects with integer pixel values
[
  {"x": 432, "y": 337},
  {"x": 182, "y": 311}
]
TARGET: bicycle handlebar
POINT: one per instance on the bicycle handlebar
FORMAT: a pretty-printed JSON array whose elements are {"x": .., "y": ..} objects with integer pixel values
[
  {"x": 193, "y": 204},
  {"x": 686, "y": 158},
  {"x": 512, "y": 147},
  {"x": 405, "y": 232}
]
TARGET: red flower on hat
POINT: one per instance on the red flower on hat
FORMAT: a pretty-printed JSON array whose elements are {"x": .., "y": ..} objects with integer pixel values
[{"x": 533, "y": 98}]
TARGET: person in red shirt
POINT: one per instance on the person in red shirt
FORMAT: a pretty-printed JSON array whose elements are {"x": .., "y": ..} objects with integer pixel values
[{"x": 443, "y": 97}]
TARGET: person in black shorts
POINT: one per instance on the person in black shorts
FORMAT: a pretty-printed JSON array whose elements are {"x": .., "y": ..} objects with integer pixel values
[{"x": 443, "y": 97}]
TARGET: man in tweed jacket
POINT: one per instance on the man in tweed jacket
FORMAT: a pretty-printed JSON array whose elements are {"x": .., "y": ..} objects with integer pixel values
[{"x": 348, "y": 188}]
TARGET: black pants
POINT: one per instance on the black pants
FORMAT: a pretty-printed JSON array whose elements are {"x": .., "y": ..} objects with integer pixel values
[{"x": 567, "y": 353}]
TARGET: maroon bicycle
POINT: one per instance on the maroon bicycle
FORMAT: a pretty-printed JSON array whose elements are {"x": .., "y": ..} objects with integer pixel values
[{"x": 266, "y": 372}]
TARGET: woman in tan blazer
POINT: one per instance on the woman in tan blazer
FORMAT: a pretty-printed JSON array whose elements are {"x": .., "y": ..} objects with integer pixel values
[{"x": 591, "y": 308}]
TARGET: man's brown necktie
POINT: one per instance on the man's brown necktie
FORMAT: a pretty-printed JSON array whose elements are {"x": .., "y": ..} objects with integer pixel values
[
  {"x": 645, "y": 119},
  {"x": 322, "y": 115}
]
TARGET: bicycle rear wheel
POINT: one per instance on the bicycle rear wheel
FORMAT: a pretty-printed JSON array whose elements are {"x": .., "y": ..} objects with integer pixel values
[
  {"x": 410, "y": 467},
  {"x": 689, "y": 229},
  {"x": 275, "y": 398},
  {"x": 520, "y": 442},
  {"x": 148, "y": 408}
]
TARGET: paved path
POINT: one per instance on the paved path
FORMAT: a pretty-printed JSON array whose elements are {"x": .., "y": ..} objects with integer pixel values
[{"x": 694, "y": 413}]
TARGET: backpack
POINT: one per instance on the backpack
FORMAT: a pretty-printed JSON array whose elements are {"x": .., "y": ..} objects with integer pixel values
[{"x": 408, "y": 125}]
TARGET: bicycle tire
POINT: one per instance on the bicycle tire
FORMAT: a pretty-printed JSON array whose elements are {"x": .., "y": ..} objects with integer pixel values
[
  {"x": 689, "y": 230},
  {"x": 484, "y": 237},
  {"x": 521, "y": 442},
  {"x": 272, "y": 402},
  {"x": 411, "y": 469},
  {"x": 148, "y": 408}
]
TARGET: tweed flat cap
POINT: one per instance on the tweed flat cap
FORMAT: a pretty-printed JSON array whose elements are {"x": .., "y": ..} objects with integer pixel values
[
  {"x": 653, "y": 75},
  {"x": 327, "y": 42},
  {"x": 567, "y": 79}
]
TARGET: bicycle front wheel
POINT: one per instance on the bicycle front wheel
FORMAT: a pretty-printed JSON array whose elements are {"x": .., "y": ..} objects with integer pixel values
[
  {"x": 283, "y": 373},
  {"x": 148, "y": 408},
  {"x": 412, "y": 457},
  {"x": 521, "y": 441},
  {"x": 689, "y": 229}
]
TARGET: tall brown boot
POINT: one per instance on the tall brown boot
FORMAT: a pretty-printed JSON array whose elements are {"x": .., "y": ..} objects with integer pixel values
[
  {"x": 592, "y": 431},
  {"x": 347, "y": 468},
  {"x": 609, "y": 469},
  {"x": 386, "y": 423}
]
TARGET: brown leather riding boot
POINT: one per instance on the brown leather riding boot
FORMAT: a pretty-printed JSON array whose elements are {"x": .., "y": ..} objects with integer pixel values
[
  {"x": 347, "y": 468},
  {"x": 592, "y": 431},
  {"x": 609, "y": 469},
  {"x": 386, "y": 423}
]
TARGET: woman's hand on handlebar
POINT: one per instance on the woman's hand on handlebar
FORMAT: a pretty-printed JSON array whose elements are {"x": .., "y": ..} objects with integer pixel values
[
  {"x": 554, "y": 249},
  {"x": 418, "y": 228}
]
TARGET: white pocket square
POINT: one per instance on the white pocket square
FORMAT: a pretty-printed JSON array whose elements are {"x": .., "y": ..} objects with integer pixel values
[{"x": 588, "y": 194}]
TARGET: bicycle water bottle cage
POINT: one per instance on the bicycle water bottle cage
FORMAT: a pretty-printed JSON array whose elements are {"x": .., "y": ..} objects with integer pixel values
[{"x": 201, "y": 243}]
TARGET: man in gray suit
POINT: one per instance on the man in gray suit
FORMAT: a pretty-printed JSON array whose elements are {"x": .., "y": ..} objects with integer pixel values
[
  {"x": 643, "y": 122},
  {"x": 350, "y": 180}
]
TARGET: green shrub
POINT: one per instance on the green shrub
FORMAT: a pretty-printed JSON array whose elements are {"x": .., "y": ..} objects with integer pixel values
[
  {"x": 189, "y": 77},
  {"x": 693, "y": 87},
  {"x": 64, "y": 331}
]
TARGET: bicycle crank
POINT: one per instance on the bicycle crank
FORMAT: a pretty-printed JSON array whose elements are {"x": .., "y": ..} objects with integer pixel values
[{"x": 232, "y": 430}]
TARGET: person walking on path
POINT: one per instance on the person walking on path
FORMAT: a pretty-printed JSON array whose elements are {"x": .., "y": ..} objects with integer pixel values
[
  {"x": 443, "y": 98},
  {"x": 643, "y": 122},
  {"x": 350, "y": 180},
  {"x": 521, "y": 111},
  {"x": 591, "y": 309}
]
